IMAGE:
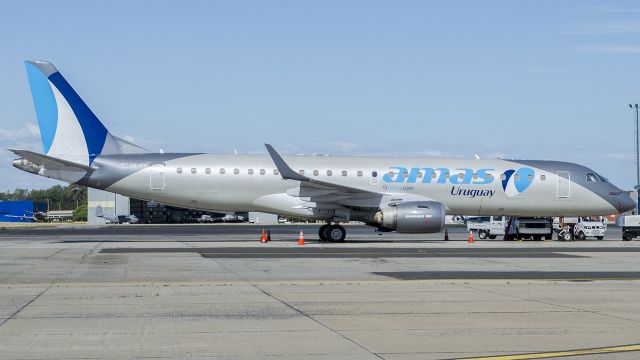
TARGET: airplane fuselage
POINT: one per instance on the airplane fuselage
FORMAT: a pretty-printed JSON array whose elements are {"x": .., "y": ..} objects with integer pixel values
[{"x": 252, "y": 183}]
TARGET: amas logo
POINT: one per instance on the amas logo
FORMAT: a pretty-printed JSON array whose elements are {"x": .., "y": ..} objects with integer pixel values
[{"x": 517, "y": 181}]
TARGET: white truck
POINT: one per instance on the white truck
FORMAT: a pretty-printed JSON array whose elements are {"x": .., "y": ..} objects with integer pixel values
[
  {"x": 630, "y": 225},
  {"x": 570, "y": 228},
  {"x": 487, "y": 226},
  {"x": 520, "y": 227}
]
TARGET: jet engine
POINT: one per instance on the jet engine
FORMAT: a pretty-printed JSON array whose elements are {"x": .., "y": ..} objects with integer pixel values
[
  {"x": 26, "y": 165},
  {"x": 412, "y": 217}
]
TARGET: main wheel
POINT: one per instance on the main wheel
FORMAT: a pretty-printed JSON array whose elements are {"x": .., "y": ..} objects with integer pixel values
[
  {"x": 482, "y": 234},
  {"x": 321, "y": 231},
  {"x": 492, "y": 237},
  {"x": 566, "y": 236},
  {"x": 626, "y": 236},
  {"x": 581, "y": 235},
  {"x": 599, "y": 237},
  {"x": 335, "y": 233}
]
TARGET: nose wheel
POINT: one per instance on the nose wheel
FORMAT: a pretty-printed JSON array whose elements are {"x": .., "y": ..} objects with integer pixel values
[{"x": 333, "y": 233}]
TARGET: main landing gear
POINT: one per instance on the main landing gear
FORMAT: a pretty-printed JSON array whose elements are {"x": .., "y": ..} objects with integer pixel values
[{"x": 333, "y": 233}]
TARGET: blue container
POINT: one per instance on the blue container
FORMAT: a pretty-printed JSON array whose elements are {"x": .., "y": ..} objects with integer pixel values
[{"x": 17, "y": 211}]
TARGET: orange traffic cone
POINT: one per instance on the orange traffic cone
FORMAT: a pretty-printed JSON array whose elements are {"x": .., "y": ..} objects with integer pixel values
[
  {"x": 301, "y": 238},
  {"x": 268, "y": 235},
  {"x": 446, "y": 235},
  {"x": 470, "y": 241},
  {"x": 263, "y": 237}
]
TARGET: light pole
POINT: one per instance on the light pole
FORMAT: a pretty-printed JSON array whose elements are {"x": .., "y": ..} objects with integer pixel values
[{"x": 637, "y": 153}]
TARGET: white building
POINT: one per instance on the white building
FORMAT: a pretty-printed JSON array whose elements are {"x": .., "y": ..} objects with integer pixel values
[{"x": 112, "y": 204}]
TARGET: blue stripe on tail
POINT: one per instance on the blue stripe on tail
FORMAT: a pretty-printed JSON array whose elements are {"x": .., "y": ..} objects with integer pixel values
[{"x": 45, "y": 105}]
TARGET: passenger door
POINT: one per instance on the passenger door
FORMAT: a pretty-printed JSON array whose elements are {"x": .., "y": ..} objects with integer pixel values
[
  {"x": 156, "y": 177},
  {"x": 563, "y": 188}
]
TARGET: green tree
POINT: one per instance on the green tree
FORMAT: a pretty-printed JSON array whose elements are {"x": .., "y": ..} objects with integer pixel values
[
  {"x": 80, "y": 213},
  {"x": 58, "y": 197}
]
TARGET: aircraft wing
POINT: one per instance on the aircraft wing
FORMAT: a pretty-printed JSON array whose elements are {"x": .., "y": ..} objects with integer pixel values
[{"x": 319, "y": 191}]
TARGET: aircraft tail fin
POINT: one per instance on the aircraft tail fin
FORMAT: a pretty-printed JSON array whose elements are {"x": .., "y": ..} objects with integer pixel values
[{"x": 68, "y": 128}]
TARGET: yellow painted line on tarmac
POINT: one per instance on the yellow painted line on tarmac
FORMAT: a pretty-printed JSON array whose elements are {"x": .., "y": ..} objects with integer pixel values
[{"x": 547, "y": 355}]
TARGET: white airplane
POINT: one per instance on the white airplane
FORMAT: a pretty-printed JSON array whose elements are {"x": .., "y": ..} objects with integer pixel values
[
  {"x": 409, "y": 195},
  {"x": 116, "y": 219}
]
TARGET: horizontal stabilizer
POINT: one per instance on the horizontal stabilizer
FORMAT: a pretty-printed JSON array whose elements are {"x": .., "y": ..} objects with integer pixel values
[{"x": 52, "y": 163}]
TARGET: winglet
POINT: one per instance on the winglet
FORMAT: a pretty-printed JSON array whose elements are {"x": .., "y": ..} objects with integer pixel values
[{"x": 285, "y": 171}]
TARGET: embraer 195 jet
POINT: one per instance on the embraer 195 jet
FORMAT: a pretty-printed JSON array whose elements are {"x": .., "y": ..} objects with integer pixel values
[{"x": 406, "y": 195}]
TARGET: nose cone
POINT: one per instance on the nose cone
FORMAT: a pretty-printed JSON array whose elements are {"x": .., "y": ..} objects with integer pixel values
[{"x": 624, "y": 202}]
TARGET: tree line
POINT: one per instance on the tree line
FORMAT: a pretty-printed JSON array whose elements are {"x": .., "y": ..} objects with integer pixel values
[{"x": 58, "y": 197}]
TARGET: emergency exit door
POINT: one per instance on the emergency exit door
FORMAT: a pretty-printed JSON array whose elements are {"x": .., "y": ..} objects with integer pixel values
[
  {"x": 156, "y": 177},
  {"x": 563, "y": 189}
]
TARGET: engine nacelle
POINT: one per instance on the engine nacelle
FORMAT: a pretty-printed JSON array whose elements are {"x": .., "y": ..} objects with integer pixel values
[
  {"x": 412, "y": 217},
  {"x": 26, "y": 165}
]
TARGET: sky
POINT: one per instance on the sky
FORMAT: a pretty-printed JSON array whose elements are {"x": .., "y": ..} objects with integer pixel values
[{"x": 502, "y": 79}]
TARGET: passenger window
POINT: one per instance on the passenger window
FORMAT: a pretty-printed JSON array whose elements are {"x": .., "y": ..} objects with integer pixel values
[
  {"x": 530, "y": 176},
  {"x": 475, "y": 176},
  {"x": 250, "y": 171},
  {"x": 236, "y": 171},
  {"x": 516, "y": 177},
  {"x": 262, "y": 172},
  {"x": 329, "y": 172},
  {"x": 461, "y": 176},
  {"x": 207, "y": 171},
  {"x": 316, "y": 173},
  {"x": 194, "y": 170},
  {"x": 359, "y": 173},
  {"x": 405, "y": 174},
  {"x": 433, "y": 175},
  {"x": 592, "y": 177},
  {"x": 276, "y": 172},
  {"x": 420, "y": 175},
  {"x": 344, "y": 173},
  {"x": 543, "y": 177},
  {"x": 374, "y": 174},
  {"x": 447, "y": 175},
  {"x": 179, "y": 170},
  {"x": 222, "y": 171},
  {"x": 503, "y": 177},
  {"x": 489, "y": 177},
  {"x": 301, "y": 172}
]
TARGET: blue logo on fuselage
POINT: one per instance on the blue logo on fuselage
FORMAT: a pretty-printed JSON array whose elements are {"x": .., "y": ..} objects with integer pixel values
[
  {"x": 512, "y": 185},
  {"x": 465, "y": 176}
]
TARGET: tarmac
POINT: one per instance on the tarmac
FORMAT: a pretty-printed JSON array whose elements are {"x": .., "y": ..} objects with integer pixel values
[{"x": 216, "y": 292}]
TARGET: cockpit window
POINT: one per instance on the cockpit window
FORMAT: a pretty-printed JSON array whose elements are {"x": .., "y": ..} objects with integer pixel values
[{"x": 592, "y": 177}]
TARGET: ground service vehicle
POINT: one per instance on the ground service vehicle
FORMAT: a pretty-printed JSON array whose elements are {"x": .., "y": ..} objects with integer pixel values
[
  {"x": 533, "y": 228},
  {"x": 630, "y": 225},
  {"x": 488, "y": 226},
  {"x": 582, "y": 227}
]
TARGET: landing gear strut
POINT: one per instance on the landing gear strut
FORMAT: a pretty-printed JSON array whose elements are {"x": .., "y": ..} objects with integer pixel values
[{"x": 333, "y": 233}]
